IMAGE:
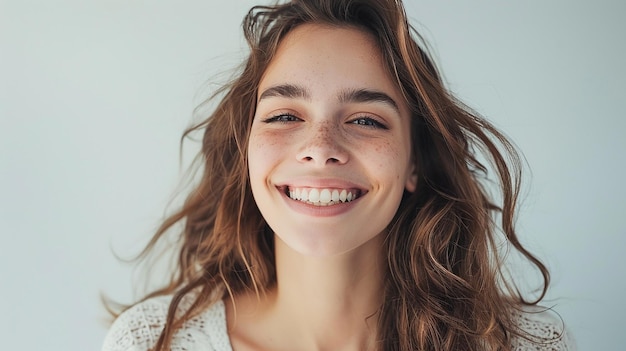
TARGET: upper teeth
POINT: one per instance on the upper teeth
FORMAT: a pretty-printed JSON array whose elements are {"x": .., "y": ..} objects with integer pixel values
[{"x": 321, "y": 197}]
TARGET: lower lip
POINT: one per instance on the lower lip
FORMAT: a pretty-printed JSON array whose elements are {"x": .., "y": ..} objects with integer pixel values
[{"x": 319, "y": 211}]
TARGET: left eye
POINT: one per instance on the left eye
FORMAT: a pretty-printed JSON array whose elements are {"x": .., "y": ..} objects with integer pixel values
[
  {"x": 282, "y": 118},
  {"x": 368, "y": 122}
]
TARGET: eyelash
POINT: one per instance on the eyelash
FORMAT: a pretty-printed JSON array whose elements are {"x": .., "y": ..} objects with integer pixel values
[
  {"x": 364, "y": 121},
  {"x": 282, "y": 118},
  {"x": 368, "y": 122}
]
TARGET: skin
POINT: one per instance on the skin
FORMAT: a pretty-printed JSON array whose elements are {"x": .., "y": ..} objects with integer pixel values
[{"x": 312, "y": 131}]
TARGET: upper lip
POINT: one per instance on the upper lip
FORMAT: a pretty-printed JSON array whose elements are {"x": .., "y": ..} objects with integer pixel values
[{"x": 322, "y": 183}]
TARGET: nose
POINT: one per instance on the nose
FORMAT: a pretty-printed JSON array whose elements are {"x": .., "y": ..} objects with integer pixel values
[{"x": 323, "y": 145}]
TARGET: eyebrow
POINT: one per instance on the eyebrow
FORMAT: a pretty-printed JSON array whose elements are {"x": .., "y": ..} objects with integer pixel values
[
  {"x": 367, "y": 96},
  {"x": 287, "y": 91},
  {"x": 292, "y": 91}
]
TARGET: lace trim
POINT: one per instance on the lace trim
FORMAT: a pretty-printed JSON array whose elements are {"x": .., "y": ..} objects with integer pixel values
[
  {"x": 138, "y": 328},
  {"x": 542, "y": 330}
]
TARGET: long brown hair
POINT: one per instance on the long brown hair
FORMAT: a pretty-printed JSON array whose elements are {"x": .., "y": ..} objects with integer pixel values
[{"x": 445, "y": 288}]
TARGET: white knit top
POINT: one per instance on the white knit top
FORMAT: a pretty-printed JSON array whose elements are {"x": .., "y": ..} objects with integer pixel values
[{"x": 138, "y": 329}]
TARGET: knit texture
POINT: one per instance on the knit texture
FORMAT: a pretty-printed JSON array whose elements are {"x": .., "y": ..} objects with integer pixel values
[{"x": 138, "y": 329}]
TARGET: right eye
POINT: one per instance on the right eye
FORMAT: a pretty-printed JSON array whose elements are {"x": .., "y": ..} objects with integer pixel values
[{"x": 282, "y": 118}]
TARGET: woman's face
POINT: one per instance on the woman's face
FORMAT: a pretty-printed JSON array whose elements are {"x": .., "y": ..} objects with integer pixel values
[{"x": 329, "y": 151}]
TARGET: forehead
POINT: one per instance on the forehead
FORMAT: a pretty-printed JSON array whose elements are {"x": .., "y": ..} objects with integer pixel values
[
  {"x": 319, "y": 36},
  {"x": 329, "y": 57}
]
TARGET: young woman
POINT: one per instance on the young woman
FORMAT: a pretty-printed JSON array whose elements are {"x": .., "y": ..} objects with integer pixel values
[{"x": 342, "y": 204}]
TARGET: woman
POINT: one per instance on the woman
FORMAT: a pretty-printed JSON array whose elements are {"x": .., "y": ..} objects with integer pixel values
[{"x": 342, "y": 204}]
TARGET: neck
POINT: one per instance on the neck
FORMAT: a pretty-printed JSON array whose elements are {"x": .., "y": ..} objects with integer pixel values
[
  {"x": 318, "y": 303},
  {"x": 339, "y": 283},
  {"x": 331, "y": 302}
]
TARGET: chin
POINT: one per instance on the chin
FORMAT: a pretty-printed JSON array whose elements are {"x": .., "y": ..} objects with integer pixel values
[{"x": 325, "y": 243}]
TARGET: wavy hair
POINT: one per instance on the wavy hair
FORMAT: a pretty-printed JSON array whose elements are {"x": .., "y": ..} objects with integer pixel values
[{"x": 446, "y": 288}]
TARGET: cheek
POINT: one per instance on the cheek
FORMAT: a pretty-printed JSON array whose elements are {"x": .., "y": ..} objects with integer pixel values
[
  {"x": 262, "y": 154},
  {"x": 255, "y": 158},
  {"x": 390, "y": 159}
]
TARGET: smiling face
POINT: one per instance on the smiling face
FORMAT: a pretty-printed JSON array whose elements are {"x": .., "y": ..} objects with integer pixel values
[{"x": 329, "y": 150}]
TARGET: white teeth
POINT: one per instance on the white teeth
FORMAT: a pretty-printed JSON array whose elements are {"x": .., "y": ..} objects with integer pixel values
[
  {"x": 314, "y": 195},
  {"x": 343, "y": 196},
  {"x": 321, "y": 197},
  {"x": 324, "y": 196},
  {"x": 304, "y": 196}
]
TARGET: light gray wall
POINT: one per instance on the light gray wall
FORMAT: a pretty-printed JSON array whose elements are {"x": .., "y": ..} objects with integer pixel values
[{"x": 94, "y": 96}]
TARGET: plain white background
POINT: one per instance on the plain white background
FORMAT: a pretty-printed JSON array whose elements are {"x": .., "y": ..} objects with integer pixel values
[{"x": 95, "y": 95}]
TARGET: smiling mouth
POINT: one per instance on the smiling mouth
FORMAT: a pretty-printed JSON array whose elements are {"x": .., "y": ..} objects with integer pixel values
[{"x": 323, "y": 196}]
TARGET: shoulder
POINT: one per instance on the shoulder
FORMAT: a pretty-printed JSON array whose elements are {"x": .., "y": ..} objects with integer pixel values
[
  {"x": 139, "y": 328},
  {"x": 541, "y": 329}
]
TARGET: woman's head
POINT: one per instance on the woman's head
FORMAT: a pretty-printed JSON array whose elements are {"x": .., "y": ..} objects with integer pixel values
[
  {"x": 231, "y": 208},
  {"x": 439, "y": 148},
  {"x": 405, "y": 66}
]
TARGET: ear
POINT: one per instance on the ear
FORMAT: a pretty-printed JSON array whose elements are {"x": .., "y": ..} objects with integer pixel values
[{"x": 411, "y": 180}]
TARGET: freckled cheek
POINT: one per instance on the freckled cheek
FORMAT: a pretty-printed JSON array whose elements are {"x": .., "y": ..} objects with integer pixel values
[
  {"x": 263, "y": 154},
  {"x": 391, "y": 159},
  {"x": 386, "y": 152}
]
